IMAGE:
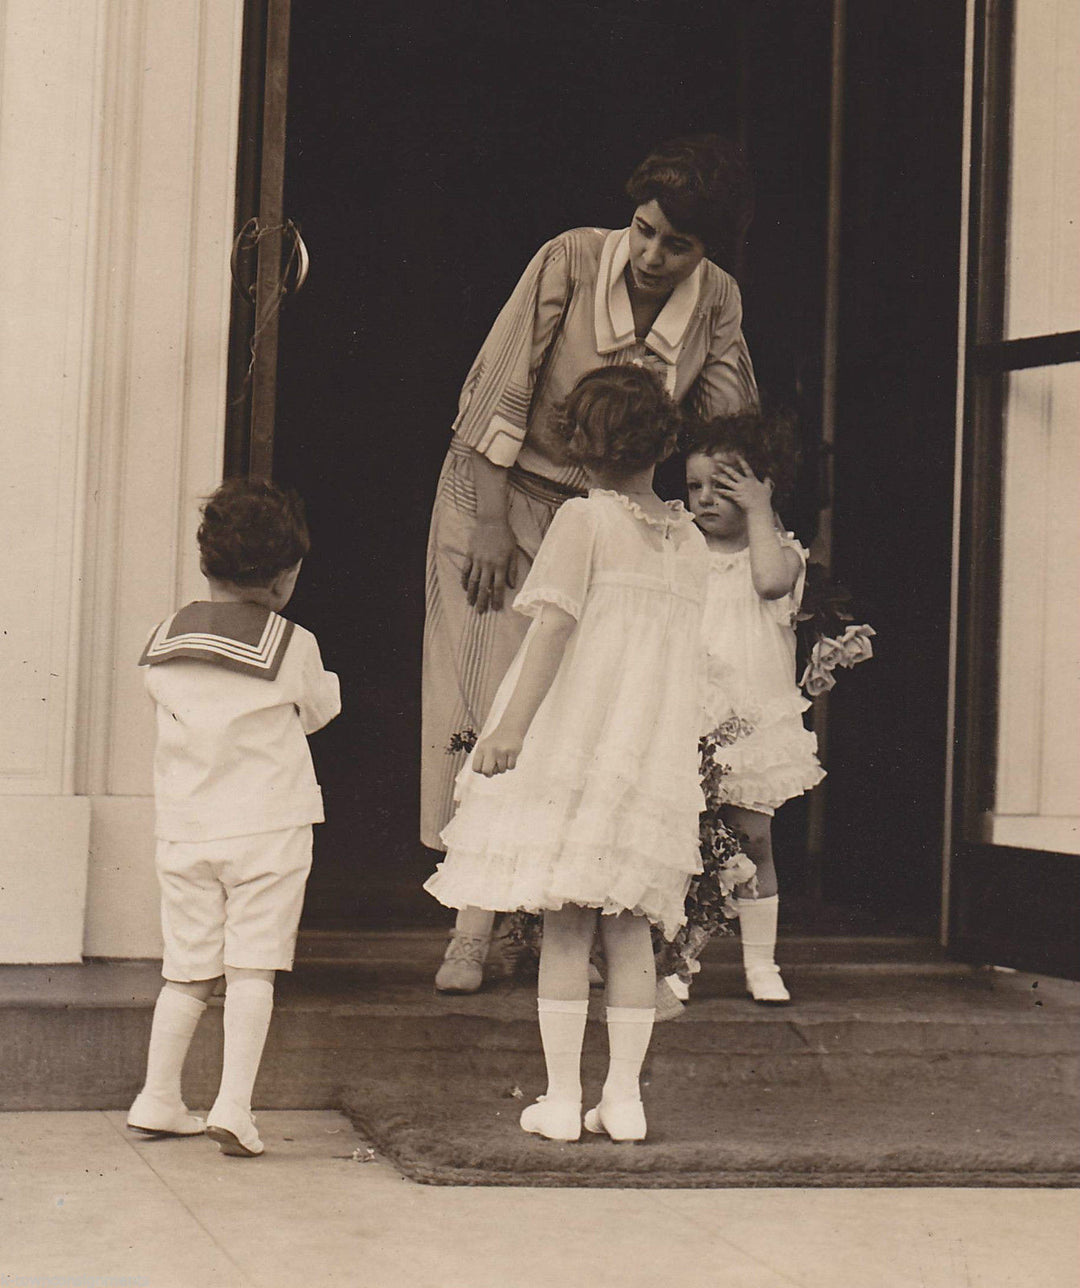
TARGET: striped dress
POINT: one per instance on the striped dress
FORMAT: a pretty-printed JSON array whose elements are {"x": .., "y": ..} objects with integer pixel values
[{"x": 569, "y": 313}]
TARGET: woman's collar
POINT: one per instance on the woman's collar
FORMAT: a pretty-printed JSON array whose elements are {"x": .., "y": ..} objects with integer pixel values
[{"x": 614, "y": 319}]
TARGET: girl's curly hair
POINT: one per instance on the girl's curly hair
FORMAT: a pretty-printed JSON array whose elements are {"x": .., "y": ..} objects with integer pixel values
[
  {"x": 703, "y": 186},
  {"x": 618, "y": 418},
  {"x": 252, "y": 531},
  {"x": 764, "y": 439}
]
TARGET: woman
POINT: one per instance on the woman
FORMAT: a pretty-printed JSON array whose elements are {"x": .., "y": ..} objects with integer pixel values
[{"x": 646, "y": 294}]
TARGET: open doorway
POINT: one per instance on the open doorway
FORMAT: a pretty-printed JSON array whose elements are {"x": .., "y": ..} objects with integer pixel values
[{"x": 430, "y": 152}]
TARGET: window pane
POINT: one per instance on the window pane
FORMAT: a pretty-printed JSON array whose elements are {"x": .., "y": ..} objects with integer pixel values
[
  {"x": 1043, "y": 269},
  {"x": 1038, "y": 769}
]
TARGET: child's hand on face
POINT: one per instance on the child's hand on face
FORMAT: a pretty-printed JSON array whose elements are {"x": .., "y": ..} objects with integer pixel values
[
  {"x": 739, "y": 484},
  {"x": 497, "y": 753}
]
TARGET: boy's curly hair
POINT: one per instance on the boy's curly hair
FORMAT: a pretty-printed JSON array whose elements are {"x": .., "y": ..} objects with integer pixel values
[
  {"x": 764, "y": 439},
  {"x": 252, "y": 531},
  {"x": 618, "y": 418}
]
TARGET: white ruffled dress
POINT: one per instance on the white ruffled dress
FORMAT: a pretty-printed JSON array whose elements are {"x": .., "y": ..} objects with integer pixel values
[
  {"x": 602, "y": 808},
  {"x": 753, "y": 706}
]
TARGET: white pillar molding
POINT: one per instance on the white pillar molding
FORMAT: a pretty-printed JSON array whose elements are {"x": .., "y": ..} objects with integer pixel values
[
  {"x": 50, "y": 59},
  {"x": 116, "y": 182}
]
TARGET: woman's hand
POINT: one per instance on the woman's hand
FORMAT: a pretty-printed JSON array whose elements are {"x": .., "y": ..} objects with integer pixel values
[
  {"x": 490, "y": 564},
  {"x": 739, "y": 484},
  {"x": 497, "y": 753}
]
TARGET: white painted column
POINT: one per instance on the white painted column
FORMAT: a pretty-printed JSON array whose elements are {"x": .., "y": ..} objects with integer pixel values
[{"x": 117, "y": 156}]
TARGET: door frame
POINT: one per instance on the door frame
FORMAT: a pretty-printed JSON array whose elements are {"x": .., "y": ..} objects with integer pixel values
[
  {"x": 1003, "y": 905},
  {"x": 258, "y": 228}
]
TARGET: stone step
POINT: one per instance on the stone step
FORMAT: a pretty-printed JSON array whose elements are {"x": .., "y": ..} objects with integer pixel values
[{"x": 359, "y": 1007}]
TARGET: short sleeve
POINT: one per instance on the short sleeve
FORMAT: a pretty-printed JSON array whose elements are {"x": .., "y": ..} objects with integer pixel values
[
  {"x": 787, "y": 606},
  {"x": 726, "y": 384},
  {"x": 494, "y": 405},
  {"x": 562, "y": 570}
]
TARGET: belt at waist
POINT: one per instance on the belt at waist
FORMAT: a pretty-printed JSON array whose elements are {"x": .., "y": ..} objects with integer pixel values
[
  {"x": 528, "y": 482},
  {"x": 542, "y": 489}
]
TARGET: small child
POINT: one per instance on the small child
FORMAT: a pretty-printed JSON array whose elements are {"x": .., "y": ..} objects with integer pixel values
[
  {"x": 581, "y": 797},
  {"x": 762, "y": 752},
  {"x": 236, "y": 689}
]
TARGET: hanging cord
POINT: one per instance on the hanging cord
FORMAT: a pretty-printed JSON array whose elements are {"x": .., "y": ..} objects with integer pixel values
[{"x": 248, "y": 240}]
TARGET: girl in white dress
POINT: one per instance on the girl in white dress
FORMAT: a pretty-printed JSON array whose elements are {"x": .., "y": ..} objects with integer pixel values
[
  {"x": 581, "y": 797},
  {"x": 754, "y": 707}
]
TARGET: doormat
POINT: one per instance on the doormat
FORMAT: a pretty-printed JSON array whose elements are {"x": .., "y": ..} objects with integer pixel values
[{"x": 880, "y": 1129}]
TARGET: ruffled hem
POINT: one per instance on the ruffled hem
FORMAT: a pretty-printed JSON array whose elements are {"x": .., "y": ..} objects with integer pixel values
[
  {"x": 599, "y": 840},
  {"x": 773, "y": 788},
  {"x": 470, "y": 880},
  {"x": 770, "y": 766}
]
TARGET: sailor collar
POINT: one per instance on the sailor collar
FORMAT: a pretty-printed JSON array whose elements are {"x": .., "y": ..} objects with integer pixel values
[
  {"x": 614, "y": 319},
  {"x": 247, "y": 638}
]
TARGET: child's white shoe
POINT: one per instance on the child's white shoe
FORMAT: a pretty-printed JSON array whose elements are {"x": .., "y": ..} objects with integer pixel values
[
  {"x": 679, "y": 987},
  {"x": 620, "y": 1119},
  {"x": 233, "y": 1129},
  {"x": 668, "y": 1005},
  {"x": 158, "y": 1118},
  {"x": 765, "y": 986},
  {"x": 555, "y": 1119}
]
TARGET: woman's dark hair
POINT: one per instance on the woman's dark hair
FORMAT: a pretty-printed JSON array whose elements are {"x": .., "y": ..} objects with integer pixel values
[
  {"x": 618, "y": 418},
  {"x": 703, "y": 186},
  {"x": 252, "y": 531},
  {"x": 764, "y": 439}
]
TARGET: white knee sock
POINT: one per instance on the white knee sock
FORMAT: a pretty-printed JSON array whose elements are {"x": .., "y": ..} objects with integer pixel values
[
  {"x": 629, "y": 1033},
  {"x": 562, "y": 1032},
  {"x": 249, "y": 1004},
  {"x": 757, "y": 928},
  {"x": 176, "y": 1016}
]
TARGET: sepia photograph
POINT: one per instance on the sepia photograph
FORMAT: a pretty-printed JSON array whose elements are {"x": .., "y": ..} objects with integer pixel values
[{"x": 540, "y": 656}]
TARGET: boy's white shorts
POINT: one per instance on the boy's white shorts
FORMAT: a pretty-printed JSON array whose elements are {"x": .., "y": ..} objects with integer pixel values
[{"x": 233, "y": 902}]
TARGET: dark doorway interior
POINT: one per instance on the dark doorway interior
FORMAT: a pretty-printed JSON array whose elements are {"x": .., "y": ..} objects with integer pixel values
[{"x": 431, "y": 151}]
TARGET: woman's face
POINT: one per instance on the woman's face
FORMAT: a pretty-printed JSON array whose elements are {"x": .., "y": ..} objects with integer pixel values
[{"x": 660, "y": 256}]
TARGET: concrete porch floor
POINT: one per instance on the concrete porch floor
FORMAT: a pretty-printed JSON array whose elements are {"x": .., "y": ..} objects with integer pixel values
[{"x": 82, "y": 1203}]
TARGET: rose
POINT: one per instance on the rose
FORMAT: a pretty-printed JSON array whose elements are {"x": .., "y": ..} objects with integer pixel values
[
  {"x": 816, "y": 682},
  {"x": 818, "y": 677},
  {"x": 827, "y": 653},
  {"x": 856, "y": 646}
]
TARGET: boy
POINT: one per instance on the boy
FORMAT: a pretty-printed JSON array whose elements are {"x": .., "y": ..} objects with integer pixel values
[{"x": 236, "y": 689}]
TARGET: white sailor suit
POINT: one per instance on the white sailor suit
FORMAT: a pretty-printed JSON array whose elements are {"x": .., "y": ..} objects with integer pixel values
[{"x": 237, "y": 689}]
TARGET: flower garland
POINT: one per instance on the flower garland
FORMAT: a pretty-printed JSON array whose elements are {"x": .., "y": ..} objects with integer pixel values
[{"x": 710, "y": 905}]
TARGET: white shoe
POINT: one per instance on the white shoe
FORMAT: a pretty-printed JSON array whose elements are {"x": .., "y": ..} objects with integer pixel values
[
  {"x": 160, "y": 1118},
  {"x": 619, "y": 1119},
  {"x": 765, "y": 985},
  {"x": 234, "y": 1131},
  {"x": 679, "y": 987},
  {"x": 555, "y": 1119},
  {"x": 667, "y": 1005}
]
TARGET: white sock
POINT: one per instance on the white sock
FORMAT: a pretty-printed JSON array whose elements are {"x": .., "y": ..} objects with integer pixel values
[
  {"x": 757, "y": 928},
  {"x": 176, "y": 1016},
  {"x": 562, "y": 1032},
  {"x": 249, "y": 1004},
  {"x": 629, "y": 1033}
]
